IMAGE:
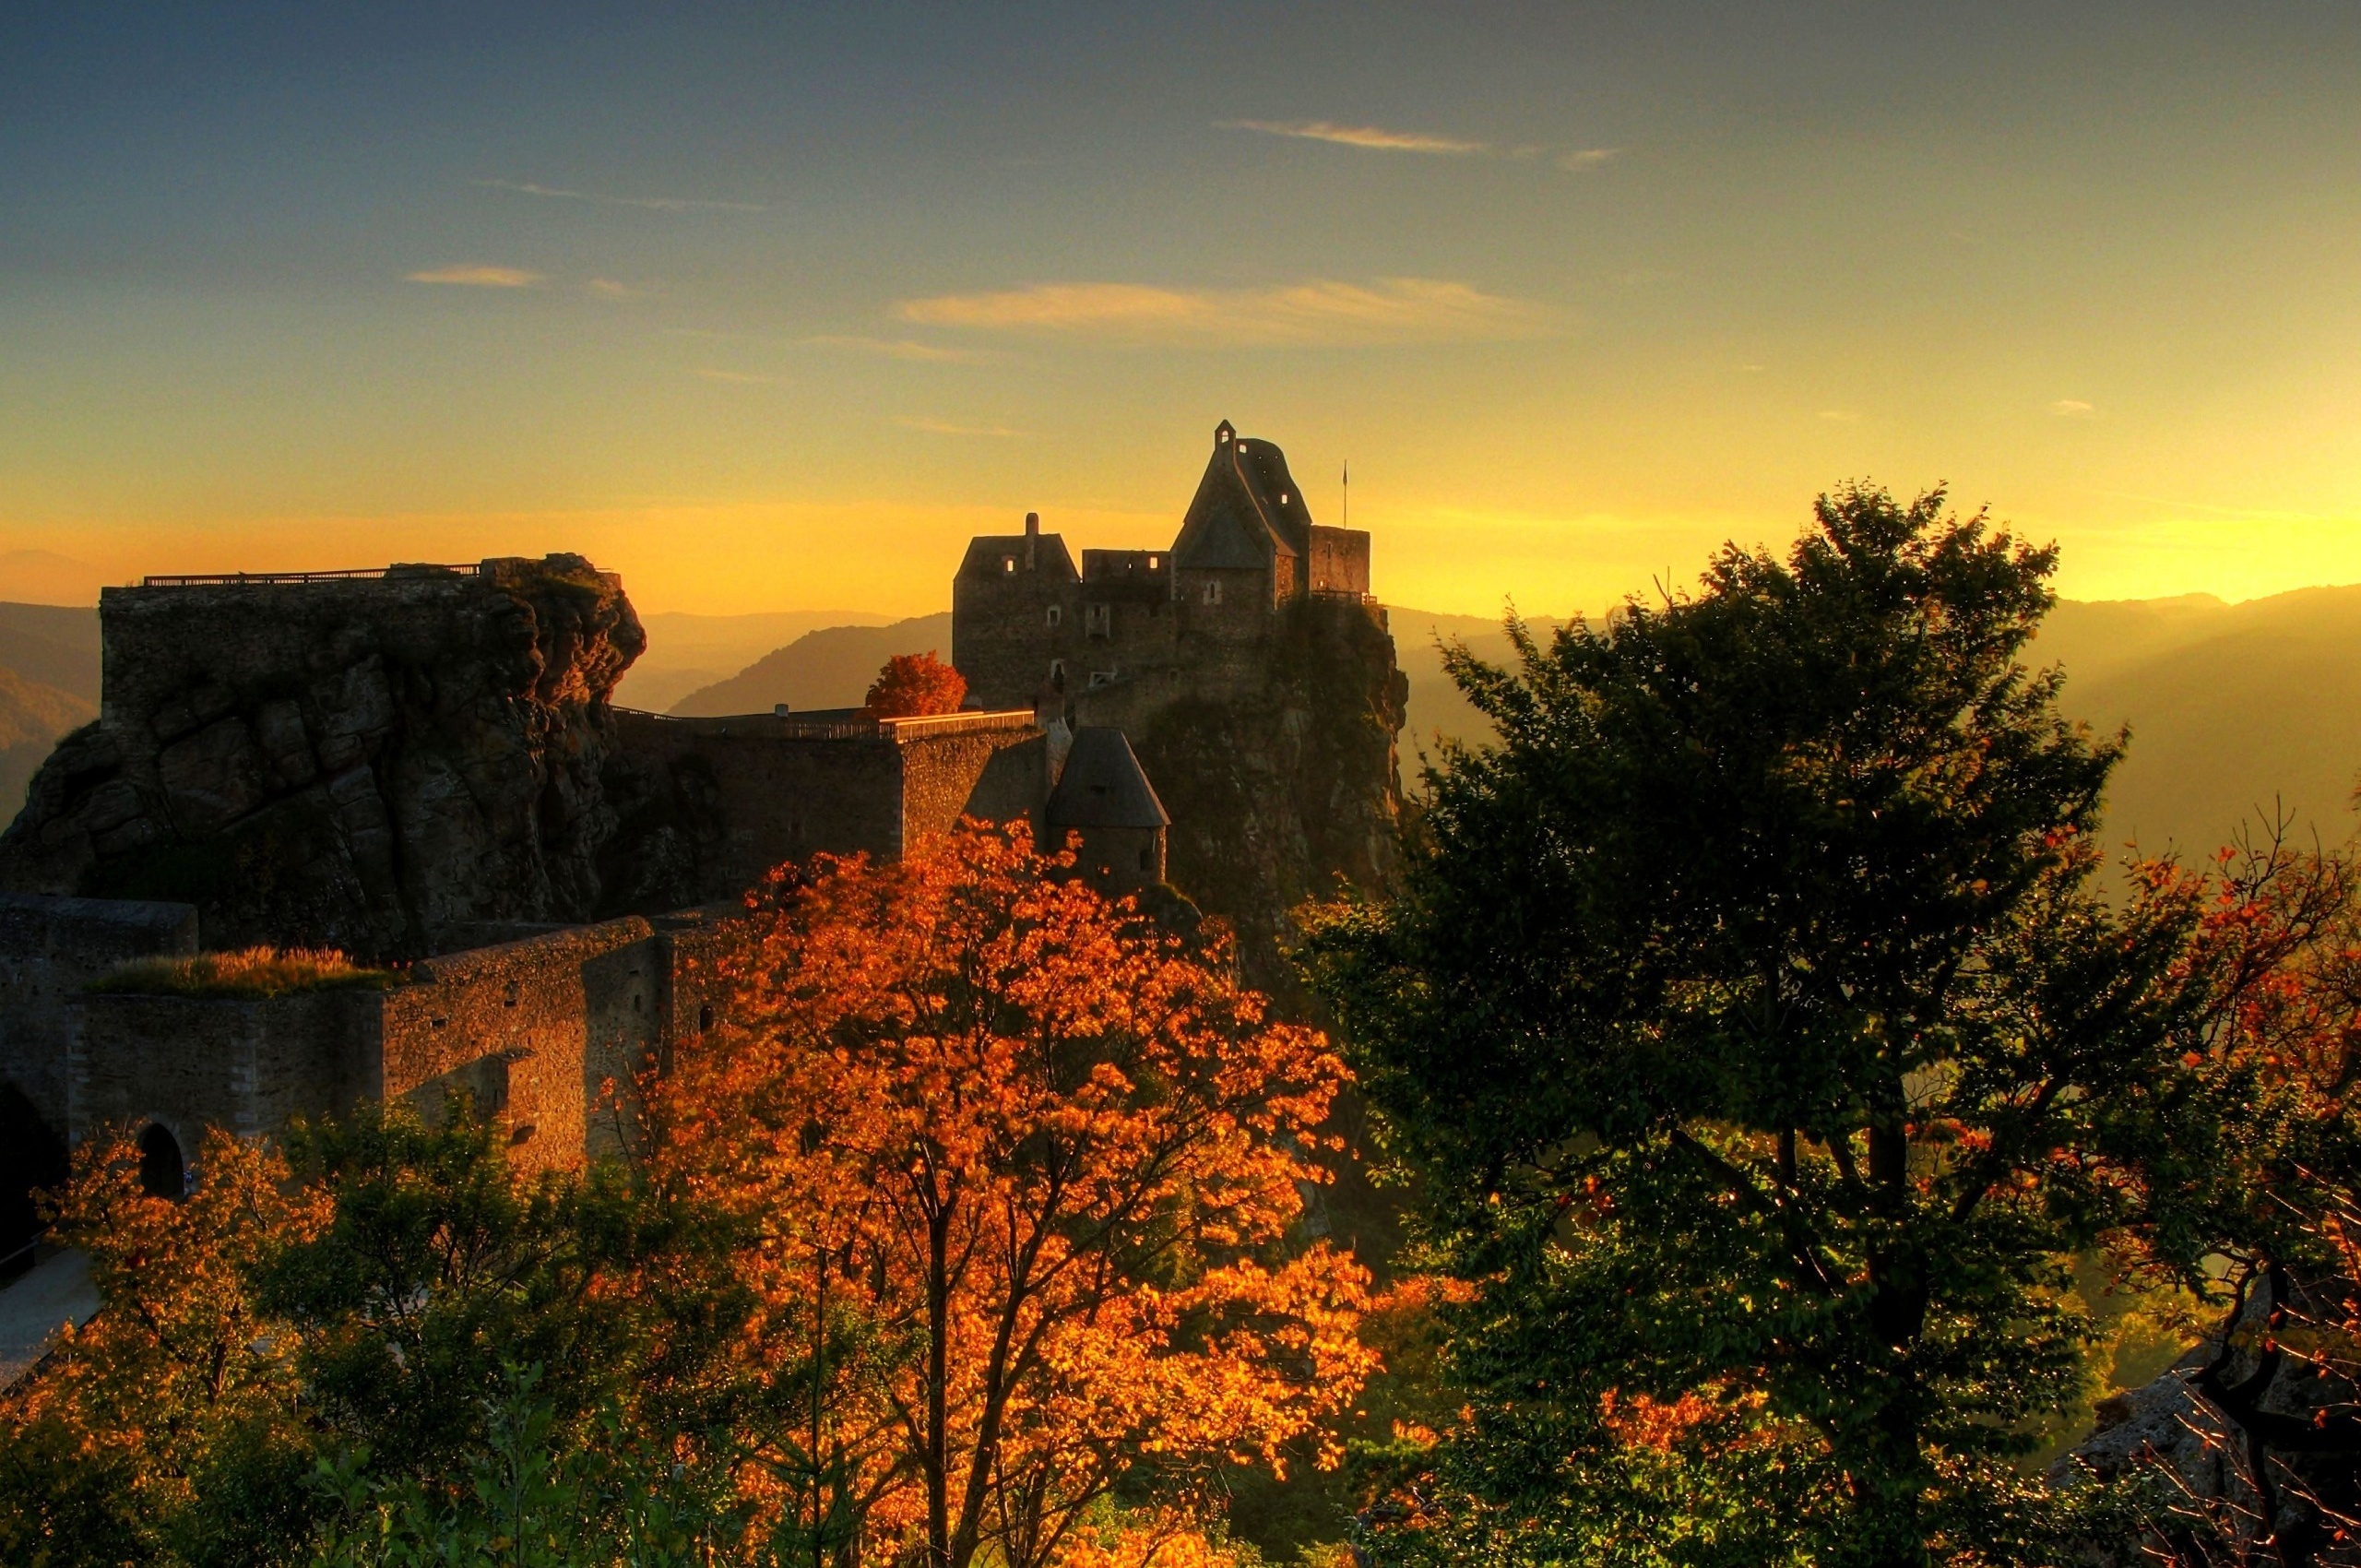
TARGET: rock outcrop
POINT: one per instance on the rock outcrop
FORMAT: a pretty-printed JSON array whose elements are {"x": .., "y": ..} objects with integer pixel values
[
  {"x": 380, "y": 764},
  {"x": 1285, "y": 790}
]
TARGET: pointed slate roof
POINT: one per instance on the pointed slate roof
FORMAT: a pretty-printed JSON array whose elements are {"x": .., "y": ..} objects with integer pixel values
[
  {"x": 1247, "y": 509},
  {"x": 1103, "y": 785}
]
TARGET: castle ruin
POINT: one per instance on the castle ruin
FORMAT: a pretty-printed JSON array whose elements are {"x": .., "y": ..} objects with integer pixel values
[{"x": 422, "y": 765}]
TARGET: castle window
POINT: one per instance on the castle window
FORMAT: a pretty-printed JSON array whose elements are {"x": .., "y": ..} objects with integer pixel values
[
  {"x": 1057, "y": 675},
  {"x": 1008, "y": 562},
  {"x": 1057, "y": 613},
  {"x": 1282, "y": 498},
  {"x": 1101, "y": 678},
  {"x": 1152, "y": 562},
  {"x": 1212, "y": 591},
  {"x": 162, "y": 1170},
  {"x": 1098, "y": 620},
  {"x": 1147, "y": 857}
]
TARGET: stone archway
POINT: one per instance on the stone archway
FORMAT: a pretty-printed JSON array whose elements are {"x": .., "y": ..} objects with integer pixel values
[
  {"x": 31, "y": 1157},
  {"x": 164, "y": 1169}
]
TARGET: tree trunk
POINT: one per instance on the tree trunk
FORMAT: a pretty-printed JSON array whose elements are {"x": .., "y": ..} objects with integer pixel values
[{"x": 938, "y": 1390}]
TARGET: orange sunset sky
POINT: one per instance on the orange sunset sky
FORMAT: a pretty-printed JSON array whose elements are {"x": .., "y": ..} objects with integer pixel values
[{"x": 770, "y": 308}]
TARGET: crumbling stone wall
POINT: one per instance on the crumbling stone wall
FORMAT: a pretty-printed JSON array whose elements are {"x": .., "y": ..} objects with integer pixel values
[
  {"x": 374, "y": 765},
  {"x": 707, "y": 807},
  {"x": 549, "y": 1034}
]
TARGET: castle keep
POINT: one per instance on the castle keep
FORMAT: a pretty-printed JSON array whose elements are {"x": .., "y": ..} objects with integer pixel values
[{"x": 1134, "y": 630}]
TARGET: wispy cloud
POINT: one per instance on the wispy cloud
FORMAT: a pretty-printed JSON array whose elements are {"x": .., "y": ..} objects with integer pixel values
[
  {"x": 899, "y": 349},
  {"x": 609, "y": 289},
  {"x": 951, "y": 427},
  {"x": 1378, "y": 138},
  {"x": 478, "y": 276},
  {"x": 2072, "y": 408},
  {"x": 735, "y": 377},
  {"x": 1321, "y": 312},
  {"x": 655, "y": 204},
  {"x": 1374, "y": 137}
]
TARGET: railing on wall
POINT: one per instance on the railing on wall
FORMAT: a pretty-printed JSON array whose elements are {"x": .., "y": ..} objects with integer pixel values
[
  {"x": 844, "y": 724},
  {"x": 361, "y": 574}
]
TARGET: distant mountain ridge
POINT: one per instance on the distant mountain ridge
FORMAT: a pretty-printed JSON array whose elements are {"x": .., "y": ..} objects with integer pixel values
[
  {"x": 49, "y": 684},
  {"x": 830, "y": 668},
  {"x": 2236, "y": 711}
]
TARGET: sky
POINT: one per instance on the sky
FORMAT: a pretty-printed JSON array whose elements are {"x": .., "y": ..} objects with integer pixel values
[{"x": 768, "y": 307}]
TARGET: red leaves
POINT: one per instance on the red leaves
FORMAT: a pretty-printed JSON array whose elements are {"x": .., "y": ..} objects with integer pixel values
[
  {"x": 914, "y": 684},
  {"x": 1060, "y": 1155}
]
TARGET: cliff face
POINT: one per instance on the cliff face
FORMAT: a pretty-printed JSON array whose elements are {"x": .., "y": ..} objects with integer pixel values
[
  {"x": 1280, "y": 790},
  {"x": 375, "y": 764}
]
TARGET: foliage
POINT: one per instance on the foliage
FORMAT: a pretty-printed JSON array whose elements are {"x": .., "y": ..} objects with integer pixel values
[
  {"x": 1767, "y": 1050},
  {"x": 166, "y": 1425},
  {"x": 248, "y": 974},
  {"x": 531, "y": 1498},
  {"x": 913, "y": 685},
  {"x": 352, "y": 1302},
  {"x": 1015, "y": 1175}
]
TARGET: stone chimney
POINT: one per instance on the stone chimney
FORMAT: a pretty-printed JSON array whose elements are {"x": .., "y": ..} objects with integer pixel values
[{"x": 1032, "y": 539}]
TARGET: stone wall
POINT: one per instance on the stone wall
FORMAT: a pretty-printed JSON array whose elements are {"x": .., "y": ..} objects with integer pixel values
[
  {"x": 708, "y": 806},
  {"x": 548, "y": 1034},
  {"x": 371, "y": 764},
  {"x": 51, "y": 948},
  {"x": 193, "y": 1063},
  {"x": 1339, "y": 561}
]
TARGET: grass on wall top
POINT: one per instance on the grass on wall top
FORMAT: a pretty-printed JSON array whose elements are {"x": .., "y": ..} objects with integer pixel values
[{"x": 250, "y": 974}]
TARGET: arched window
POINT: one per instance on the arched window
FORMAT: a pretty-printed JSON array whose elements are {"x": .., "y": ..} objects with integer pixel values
[
  {"x": 1056, "y": 614},
  {"x": 1212, "y": 591},
  {"x": 705, "y": 1018},
  {"x": 162, "y": 1172},
  {"x": 1057, "y": 675}
]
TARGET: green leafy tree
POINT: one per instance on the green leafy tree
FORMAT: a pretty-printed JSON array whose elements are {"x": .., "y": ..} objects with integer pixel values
[{"x": 1767, "y": 1049}]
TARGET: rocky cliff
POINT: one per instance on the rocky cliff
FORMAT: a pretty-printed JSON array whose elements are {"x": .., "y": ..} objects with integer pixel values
[
  {"x": 381, "y": 763},
  {"x": 1283, "y": 789}
]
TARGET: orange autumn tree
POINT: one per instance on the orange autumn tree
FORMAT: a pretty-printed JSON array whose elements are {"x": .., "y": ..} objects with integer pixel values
[
  {"x": 1052, "y": 1161},
  {"x": 911, "y": 685}
]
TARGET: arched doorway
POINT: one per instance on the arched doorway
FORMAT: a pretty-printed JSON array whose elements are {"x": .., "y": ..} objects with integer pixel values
[{"x": 162, "y": 1170}]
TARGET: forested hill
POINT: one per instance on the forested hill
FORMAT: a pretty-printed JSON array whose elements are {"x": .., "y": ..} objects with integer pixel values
[
  {"x": 831, "y": 668},
  {"x": 2236, "y": 710},
  {"x": 49, "y": 683}
]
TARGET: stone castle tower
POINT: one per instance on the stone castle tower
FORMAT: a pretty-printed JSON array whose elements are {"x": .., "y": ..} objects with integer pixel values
[
  {"x": 1135, "y": 629},
  {"x": 1247, "y": 665}
]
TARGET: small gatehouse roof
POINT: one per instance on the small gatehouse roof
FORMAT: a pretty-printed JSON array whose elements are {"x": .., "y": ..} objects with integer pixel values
[{"x": 1103, "y": 785}]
